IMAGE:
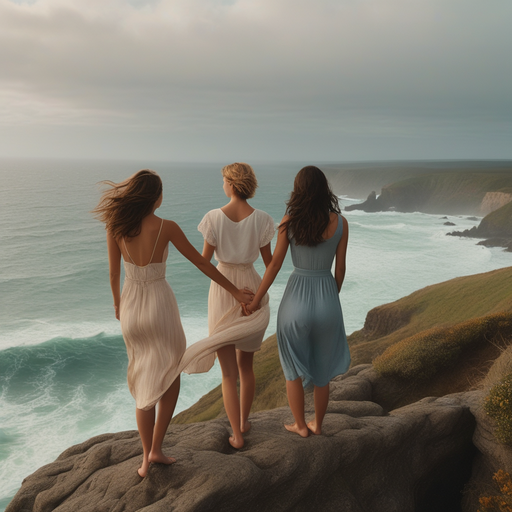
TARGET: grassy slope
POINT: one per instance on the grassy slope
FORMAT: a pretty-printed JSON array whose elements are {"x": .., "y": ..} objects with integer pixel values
[{"x": 439, "y": 305}]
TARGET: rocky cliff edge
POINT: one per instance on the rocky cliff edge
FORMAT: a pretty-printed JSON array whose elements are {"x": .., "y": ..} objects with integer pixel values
[{"x": 416, "y": 458}]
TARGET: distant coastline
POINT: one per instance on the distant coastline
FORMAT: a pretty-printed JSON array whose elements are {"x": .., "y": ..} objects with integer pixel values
[
  {"x": 444, "y": 187},
  {"x": 482, "y": 188}
]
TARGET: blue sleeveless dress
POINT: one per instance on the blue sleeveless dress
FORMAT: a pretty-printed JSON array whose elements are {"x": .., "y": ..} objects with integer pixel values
[{"x": 310, "y": 330}]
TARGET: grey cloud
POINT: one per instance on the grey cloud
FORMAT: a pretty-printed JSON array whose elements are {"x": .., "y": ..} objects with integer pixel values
[{"x": 375, "y": 68}]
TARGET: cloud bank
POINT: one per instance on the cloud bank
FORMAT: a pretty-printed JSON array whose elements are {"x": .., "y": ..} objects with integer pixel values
[{"x": 265, "y": 79}]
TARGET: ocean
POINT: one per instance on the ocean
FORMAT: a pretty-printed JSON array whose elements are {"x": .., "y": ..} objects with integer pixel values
[{"x": 62, "y": 357}]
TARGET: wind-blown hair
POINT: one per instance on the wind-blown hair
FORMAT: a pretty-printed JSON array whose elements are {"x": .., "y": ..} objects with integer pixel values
[
  {"x": 243, "y": 179},
  {"x": 123, "y": 205},
  {"x": 308, "y": 209}
]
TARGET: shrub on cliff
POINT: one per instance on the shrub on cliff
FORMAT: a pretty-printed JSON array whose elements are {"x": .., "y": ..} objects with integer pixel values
[
  {"x": 498, "y": 406},
  {"x": 421, "y": 356},
  {"x": 501, "y": 502}
]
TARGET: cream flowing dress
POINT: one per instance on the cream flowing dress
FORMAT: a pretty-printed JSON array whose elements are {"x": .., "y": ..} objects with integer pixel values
[
  {"x": 150, "y": 320},
  {"x": 152, "y": 330},
  {"x": 237, "y": 247}
]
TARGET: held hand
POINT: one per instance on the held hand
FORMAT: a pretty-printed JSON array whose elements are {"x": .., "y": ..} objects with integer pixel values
[
  {"x": 244, "y": 296},
  {"x": 249, "y": 309}
]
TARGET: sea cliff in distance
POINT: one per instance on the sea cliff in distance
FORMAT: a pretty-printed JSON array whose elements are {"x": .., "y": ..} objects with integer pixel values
[{"x": 450, "y": 188}]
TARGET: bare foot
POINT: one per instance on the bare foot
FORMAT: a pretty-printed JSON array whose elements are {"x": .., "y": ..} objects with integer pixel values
[
  {"x": 303, "y": 432},
  {"x": 160, "y": 458},
  {"x": 245, "y": 427},
  {"x": 312, "y": 426},
  {"x": 236, "y": 443},
  {"x": 143, "y": 470}
]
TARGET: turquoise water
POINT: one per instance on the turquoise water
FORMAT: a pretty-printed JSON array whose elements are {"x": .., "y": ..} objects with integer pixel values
[{"x": 62, "y": 358}]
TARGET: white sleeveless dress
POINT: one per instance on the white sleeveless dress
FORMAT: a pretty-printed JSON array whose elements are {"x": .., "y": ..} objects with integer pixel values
[
  {"x": 152, "y": 330},
  {"x": 237, "y": 247}
]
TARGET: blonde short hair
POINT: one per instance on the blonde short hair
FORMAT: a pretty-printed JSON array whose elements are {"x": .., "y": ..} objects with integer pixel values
[{"x": 241, "y": 176}]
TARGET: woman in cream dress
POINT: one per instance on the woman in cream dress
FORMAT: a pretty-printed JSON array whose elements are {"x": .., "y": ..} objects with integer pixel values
[
  {"x": 237, "y": 234},
  {"x": 147, "y": 308}
]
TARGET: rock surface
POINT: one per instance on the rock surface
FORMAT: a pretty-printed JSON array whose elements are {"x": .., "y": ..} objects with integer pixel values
[
  {"x": 416, "y": 458},
  {"x": 490, "y": 456},
  {"x": 495, "y": 242},
  {"x": 371, "y": 204}
]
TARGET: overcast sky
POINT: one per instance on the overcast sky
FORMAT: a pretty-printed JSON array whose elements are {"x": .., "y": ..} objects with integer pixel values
[{"x": 202, "y": 80}]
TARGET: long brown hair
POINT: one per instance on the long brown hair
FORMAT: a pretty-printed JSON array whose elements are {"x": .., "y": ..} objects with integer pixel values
[
  {"x": 309, "y": 207},
  {"x": 123, "y": 205}
]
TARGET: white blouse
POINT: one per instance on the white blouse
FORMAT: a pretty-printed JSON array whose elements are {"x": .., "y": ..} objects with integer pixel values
[{"x": 237, "y": 242}]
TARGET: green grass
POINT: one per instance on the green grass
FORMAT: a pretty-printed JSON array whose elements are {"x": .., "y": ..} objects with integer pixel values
[
  {"x": 422, "y": 356},
  {"x": 438, "y": 305}
]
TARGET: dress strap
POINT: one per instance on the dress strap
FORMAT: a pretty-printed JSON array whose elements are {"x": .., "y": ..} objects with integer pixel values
[
  {"x": 127, "y": 252},
  {"x": 154, "y": 248},
  {"x": 156, "y": 242}
]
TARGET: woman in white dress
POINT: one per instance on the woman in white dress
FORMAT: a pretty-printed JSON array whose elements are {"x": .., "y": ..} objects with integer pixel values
[
  {"x": 237, "y": 234},
  {"x": 147, "y": 308}
]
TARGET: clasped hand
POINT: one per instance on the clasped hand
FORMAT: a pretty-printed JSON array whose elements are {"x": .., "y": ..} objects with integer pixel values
[{"x": 248, "y": 307}]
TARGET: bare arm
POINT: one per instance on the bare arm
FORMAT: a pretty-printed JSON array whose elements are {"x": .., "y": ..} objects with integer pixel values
[
  {"x": 273, "y": 267},
  {"x": 266, "y": 254},
  {"x": 208, "y": 251},
  {"x": 341, "y": 256},
  {"x": 114, "y": 265},
  {"x": 180, "y": 241}
]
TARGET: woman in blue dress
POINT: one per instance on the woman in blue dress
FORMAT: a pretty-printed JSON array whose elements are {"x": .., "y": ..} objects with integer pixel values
[{"x": 310, "y": 331}]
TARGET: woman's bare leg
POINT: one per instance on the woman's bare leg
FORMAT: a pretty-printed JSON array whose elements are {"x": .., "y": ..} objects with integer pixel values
[
  {"x": 247, "y": 387},
  {"x": 295, "y": 393},
  {"x": 166, "y": 407},
  {"x": 145, "y": 424},
  {"x": 321, "y": 403},
  {"x": 229, "y": 367}
]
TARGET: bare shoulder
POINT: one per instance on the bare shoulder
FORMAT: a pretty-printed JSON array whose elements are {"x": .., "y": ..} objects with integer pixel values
[
  {"x": 284, "y": 220},
  {"x": 111, "y": 241},
  {"x": 169, "y": 226}
]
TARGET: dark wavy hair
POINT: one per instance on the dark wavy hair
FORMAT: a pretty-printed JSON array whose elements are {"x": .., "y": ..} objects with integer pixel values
[
  {"x": 310, "y": 204},
  {"x": 123, "y": 205}
]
